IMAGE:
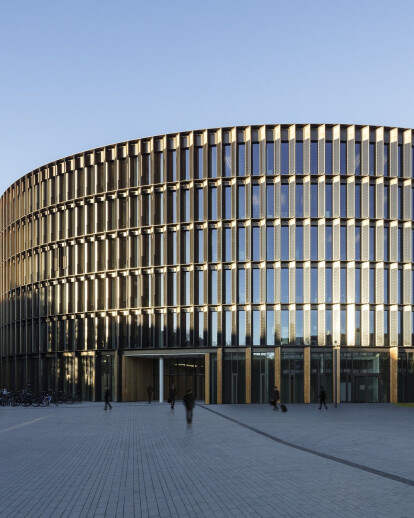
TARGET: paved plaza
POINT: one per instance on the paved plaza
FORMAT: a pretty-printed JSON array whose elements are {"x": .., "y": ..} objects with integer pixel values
[{"x": 140, "y": 460}]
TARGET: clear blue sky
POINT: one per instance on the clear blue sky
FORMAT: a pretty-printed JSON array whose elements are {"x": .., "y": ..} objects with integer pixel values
[{"x": 86, "y": 73}]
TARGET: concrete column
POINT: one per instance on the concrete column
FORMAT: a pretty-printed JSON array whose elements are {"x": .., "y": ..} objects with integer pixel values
[{"x": 161, "y": 376}]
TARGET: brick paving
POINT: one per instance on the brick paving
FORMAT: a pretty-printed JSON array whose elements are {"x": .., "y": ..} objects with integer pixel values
[{"x": 141, "y": 460}]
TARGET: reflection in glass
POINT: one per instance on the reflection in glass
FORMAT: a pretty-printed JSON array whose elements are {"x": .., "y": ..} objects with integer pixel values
[
  {"x": 270, "y": 243},
  {"x": 343, "y": 159},
  {"x": 299, "y": 243},
  {"x": 270, "y": 157},
  {"x": 255, "y": 159},
  {"x": 241, "y": 168},
  {"x": 241, "y": 201},
  {"x": 328, "y": 157},
  {"x": 314, "y": 157},
  {"x": 299, "y": 285},
  {"x": 299, "y": 157},
  {"x": 270, "y": 285},
  {"x": 284, "y": 285},
  {"x": 241, "y": 243},
  {"x": 270, "y": 200},
  {"x": 284, "y": 157},
  {"x": 314, "y": 285},
  {"x": 255, "y": 285},
  {"x": 241, "y": 286},
  {"x": 284, "y": 243},
  {"x": 212, "y": 161},
  {"x": 357, "y": 158},
  {"x": 284, "y": 200},
  {"x": 299, "y": 200},
  {"x": 227, "y": 160},
  {"x": 256, "y": 243},
  {"x": 255, "y": 201},
  {"x": 314, "y": 200}
]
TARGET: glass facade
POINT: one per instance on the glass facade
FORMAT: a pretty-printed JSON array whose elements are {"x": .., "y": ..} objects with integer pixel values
[{"x": 258, "y": 237}]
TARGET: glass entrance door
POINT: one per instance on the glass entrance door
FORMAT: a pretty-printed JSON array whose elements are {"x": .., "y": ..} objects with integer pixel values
[
  {"x": 292, "y": 377},
  {"x": 366, "y": 388}
]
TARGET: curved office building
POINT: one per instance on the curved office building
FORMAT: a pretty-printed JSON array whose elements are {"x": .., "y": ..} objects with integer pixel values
[{"x": 225, "y": 260}]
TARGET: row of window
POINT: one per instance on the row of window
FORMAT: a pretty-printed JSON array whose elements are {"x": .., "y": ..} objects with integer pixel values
[
  {"x": 255, "y": 327},
  {"x": 241, "y": 286},
  {"x": 241, "y": 201},
  {"x": 148, "y": 169},
  {"x": 114, "y": 214},
  {"x": 228, "y": 244}
]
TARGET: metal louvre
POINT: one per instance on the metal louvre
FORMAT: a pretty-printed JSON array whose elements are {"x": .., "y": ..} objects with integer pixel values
[
  {"x": 379, "y": 284},
  {"x": 365, "y": 325}
]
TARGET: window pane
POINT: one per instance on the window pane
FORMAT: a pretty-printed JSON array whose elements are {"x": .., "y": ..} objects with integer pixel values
[
  {"x": 314, "y": 285},
  {"x": 284, "y": 158},
  {"x": 241, "y": 171},
  {"x": 212, "y": 162},
  {"x": 299, "y": 285},
  {"x": 314, "y": 200},
  {"x": 357, "y": 158},
  {"x": 328, "y": 157},
  {"x": 270, "y": 243},
  {"x": 270, "y": 285},
  {"x": 227, "y": 244},
  {"x": 328, "y": 200},
  {"x": 314, "y": 158},
  {"x": 241, "y": 201},
  {"x": 284, "y": 200},
  {"x": 241, "y": 286},
  {"x": 270, "y": 200},
  {"x": 255, "y": 285},
  {"x": 256, "y": 244},
  {"x": 299, "y": 243},
  {"x": 343, "y": 159},
  {"x": 299, "y": 200},
  {"x": 328, "y": 285},
  {"x": 270, "y": 157},
  {"x": 255, "y": 201},
  {"x": 227, "y": 160},
  {"x": 255, "y": 159},
  {"x": 299, "y": 157},
  {"x": 314, "y": 243},
  {"x": 343, "y": 200},
  {"x": 328, "y": 242},
  {"x": 343, "y": 285},
  {"x": 284, "y": 285},
  {"x": 343, "y": 243},
  {"x": 284, "y": 243},
  {"x": 241, "y": 244}
]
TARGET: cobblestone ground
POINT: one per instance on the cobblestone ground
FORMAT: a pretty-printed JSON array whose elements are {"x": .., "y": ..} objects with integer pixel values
[{"x": 141, "y": 460}]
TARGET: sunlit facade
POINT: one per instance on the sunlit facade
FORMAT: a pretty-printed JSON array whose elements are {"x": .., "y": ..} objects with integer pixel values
[{"x": 228, "y": 260}]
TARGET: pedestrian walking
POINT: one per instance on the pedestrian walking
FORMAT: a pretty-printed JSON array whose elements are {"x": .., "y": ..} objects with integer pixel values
[
  {"x": 322, "y": 398},
  {"x": 276, "y": 397},
  {"x": 149, "y": 392},
  {"x": 189, "y": 405},
  {"x": 173, "y": 394},
  {"x": 107, "y": 398}
]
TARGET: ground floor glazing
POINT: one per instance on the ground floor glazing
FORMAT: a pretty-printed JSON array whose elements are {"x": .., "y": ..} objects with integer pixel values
[{"x": 223, "y": 375}]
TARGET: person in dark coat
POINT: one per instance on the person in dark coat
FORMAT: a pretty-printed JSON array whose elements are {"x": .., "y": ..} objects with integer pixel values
[
  {"x": 189, "y": 405},
  {"x": 173, "y": 394},
  {"x": 107, "y": 398},
  {"x": 149, "y": 392},
  {"x": 322, "y": 398},
  {"x": 276, "y": 397}
]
